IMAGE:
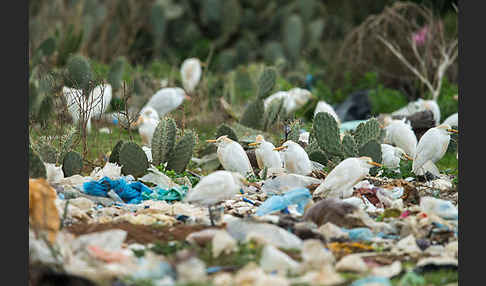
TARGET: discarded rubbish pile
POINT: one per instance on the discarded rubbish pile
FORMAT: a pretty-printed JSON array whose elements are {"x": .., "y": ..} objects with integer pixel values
[{"x": 285, "y": 229}]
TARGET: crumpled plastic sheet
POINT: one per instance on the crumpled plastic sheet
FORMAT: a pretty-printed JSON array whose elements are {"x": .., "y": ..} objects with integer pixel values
[{"x": 300, "y": 197}]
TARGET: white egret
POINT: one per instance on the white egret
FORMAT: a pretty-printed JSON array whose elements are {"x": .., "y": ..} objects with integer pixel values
[
  {"x": 292, "y": 99},
  {"x": 401, "y": 135},
  {"x": 93, "y": 106},
  {"x": 191, "y": 73},
  {"x": 147, "y": 122},
  {"x": 452, "y": 120},
  {"x": 295, "y": 158},
  {"x": 392, "y": 155},
  {"x": 214, "y": 188},
  {"x": 232, "y": 156},
  {"x": 323, "y": 106},
  {"x": 167, "y": 99},
  {"x": 265, "y": 155},
  {"x": 432, "y": 146},
  {"x": 420, "y": 105},
  {"x": 339, "y": 182}
]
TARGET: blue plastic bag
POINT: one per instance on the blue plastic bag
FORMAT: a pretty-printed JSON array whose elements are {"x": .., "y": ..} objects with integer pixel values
[{"x": 299, "y": 197}]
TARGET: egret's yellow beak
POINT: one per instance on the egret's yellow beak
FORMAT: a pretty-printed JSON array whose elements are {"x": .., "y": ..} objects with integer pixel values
[
  {"x": 453, "y": 130},
  {"x": 375, "y": 164},
  {"x": 254, "y": 144},
  {"x": 407, "y": 157},
  {"x": 138, "y": 122},
  {"x": 211, "y": 140},
  {"x": 279, "y": 148}
]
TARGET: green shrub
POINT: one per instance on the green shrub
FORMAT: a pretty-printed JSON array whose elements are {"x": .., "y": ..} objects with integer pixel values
[{"x": 447, "y": 104}]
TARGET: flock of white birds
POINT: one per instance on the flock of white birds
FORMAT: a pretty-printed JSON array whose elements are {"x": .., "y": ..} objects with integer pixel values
[{"x": 400, "y": 141}]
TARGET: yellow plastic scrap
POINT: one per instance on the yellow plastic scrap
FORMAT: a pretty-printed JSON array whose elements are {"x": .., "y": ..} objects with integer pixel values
[
  {"x": 344, "y": 248},
  {"x": 43, "y": 214}
]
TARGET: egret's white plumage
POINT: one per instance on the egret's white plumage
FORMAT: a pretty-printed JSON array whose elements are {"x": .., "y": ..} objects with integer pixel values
[
  {"x": 401, "y": 135},
  {"x": 304, "y": 137},
  {"x": 191, "y": 74},
  {"x": 323, "y": 106},
  {"x": 295, "y": 158},
  {"x": 93, "y": 106},
  {"x": 292, "y": 99},
  {"x": 232, "y": 156},
  {"x": 167, "y": 99},
  {"x": 431, "y": 147},
  {"x": 339, "y": 182},
  {"x": 391, "y": 155},
  {"x": 265, "y": 155},
  {"x": 215, "y": 187},
  {"x": 452, "y": 120},
  {"x": 420, "y": 105},
  {"x": 147, "y": 122}
]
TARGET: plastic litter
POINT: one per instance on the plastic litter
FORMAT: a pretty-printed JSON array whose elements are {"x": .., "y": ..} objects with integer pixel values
[
  {"x": 43, "y": 214},
  {"x": 273, "y": 259},
  {"x": 158, "y": 178},
  {"x": 388, "y": 271},
  {"x": 222, "y": 242},
  {"x": 359, "y": 234},
  {"x": 192, "y": 270},
  {"x": 53, "y": 174},
  {"x": 315, "y": 255},
  {"x": 372, "y": 281},
  {"x": 332, "y": 231},
  {"x": 152, "y": 266},
  {"x": 442, "y": 208},
  {"x": 110, "y": 170},
  {"x": 352, "y": 263},
  {"x": 300, "y": 197}
]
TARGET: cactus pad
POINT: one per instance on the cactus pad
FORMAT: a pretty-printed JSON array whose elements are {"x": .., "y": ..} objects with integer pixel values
[
  {"x": 163, "y": 140},
  {"x": 326, "y": 132},
  {"x": 182, "y": 153},
  {"x": 115, "y": 153},
  {"x": 115, "y": 75},
  {"x": 224, "y": 129},
  {"x": 367, "y": 131},
  {"x": 266, "y": 82},
  {"x": 371, "y": 149},
  {"x": 72, "y": 164},
  {"x": 133, "y": 160},
  {"x": 36, "y": 167},
  {"x": 253, "y": 115},
  {"x": 350, "y": 148},
  {"x": 79, "y": 72}
]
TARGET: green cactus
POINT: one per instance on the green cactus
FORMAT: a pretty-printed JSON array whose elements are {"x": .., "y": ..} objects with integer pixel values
[
  {"x": 272, "y": 112},
  {"x": 293, "y": 34},
  {"x": 68, "y": 45},
  {"x": 115, "y": 153},
  {"x": 307, "y": 9},
  {"x": 243, "y": 83},
  {"x": 48, "y": 154},
  {"x": 182, "y": 153},
  {"x": 115, "y": 75},
  {"x": 294, "y": 133},
  {"x": 349, "y": 146},
  {"x": 315, "y": 30},
  {"x": 367, "y": 131},
  {"x": 273, "y": 51},
  {"x": 224, "y": 129},
  {"x": 72, "y": 164},
  {"x": 326, "y": 132},
  {"x": 159, "y": 25},
  {"x": 226, "y": 60},
  {"x": 318, "y": 156},
  {"x": 266, "y": 82},
  {"x": 48, "y": 46},
  {"x": 211, "y": 11},
  {"x": 371, "y": 149},
  {"x": 79, "y": 73},
  {"x": 253, "y": 114},
  {"x": 163, "y": 140},
  {"x": 36, "y": 166},
  {"x": 231, "y": 18},
  {"x": 133, "y": 160}
]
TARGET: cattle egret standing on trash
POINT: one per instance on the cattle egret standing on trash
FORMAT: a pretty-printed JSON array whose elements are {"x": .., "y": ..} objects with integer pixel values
[
  {"x": 96, "y": 104},
  {"x": 232, "y": 156},
  {"x": 147, "y": 122},
  {"x": 339, "y": 182},
  {"x": 432, "y": 146},
  {"x": 401, "y": 135},
  {"x": 215, "y": 187},
  {"x": 191, "y": 74},
  {"x": 265, "y": 155},
  {"x": 295, "y": 158},
  {"x": 391, "y": 156},
  {"x": 322, "y": 106},
  {"x": 167, "y": 99}
]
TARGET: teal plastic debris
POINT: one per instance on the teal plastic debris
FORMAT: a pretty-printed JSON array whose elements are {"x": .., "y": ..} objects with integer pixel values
[
  {"x": 411, "y": 279},
  {"x": 173, "y": 194},
  {"x": 372, "y": 280},
  {"x": 299, "y": 197},
  {"x": 359, "y": 234}
]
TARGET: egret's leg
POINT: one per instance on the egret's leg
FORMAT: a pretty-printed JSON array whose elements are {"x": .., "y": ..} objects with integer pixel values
[{"x": 211, "y": 216}]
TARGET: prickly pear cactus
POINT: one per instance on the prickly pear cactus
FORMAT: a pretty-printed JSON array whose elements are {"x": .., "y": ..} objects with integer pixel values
[
  {"x": 273, "y": 51},
  {"x": 318, "y": 156},
  {"x": 48, "y": 154},
  {"x": 36, "y": 166},
  {"x": 79, "y": 72},
  {"x": 253, "y": 114},
  {"x": 115, "y": 75},
  {"x": 133, "y": 160},
  {"x": 371, "y": 149},
  {"x": 163, "y": 140},
  {"x": 224, "y": 129},
  {"x": 48, "y": 46},
  {"x": 115, "y": 153},
  {"x": 294, "y": 133},
  {"x": 326, "y": 132},
  {"x": 182, "y": 153},
  {"x": 367, "y": 131},
  {"x": 272, "y": 112},
  {"x": 293, "y": 34},
  {"x": 266, "y": 82},
  {"x": 72, "y": 164},
  {"x": 349, "y": 146}
]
